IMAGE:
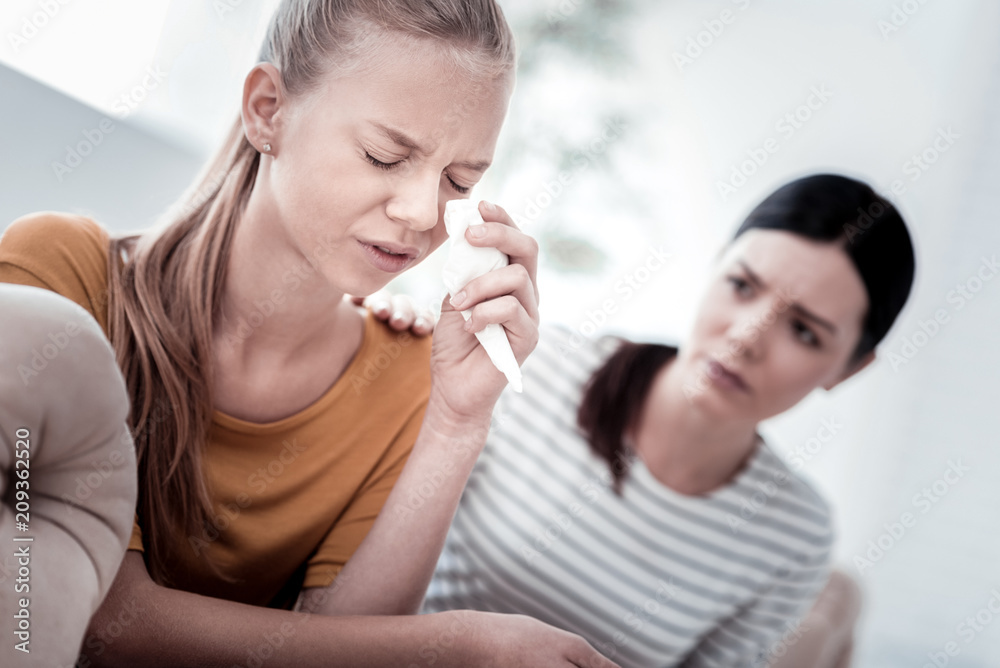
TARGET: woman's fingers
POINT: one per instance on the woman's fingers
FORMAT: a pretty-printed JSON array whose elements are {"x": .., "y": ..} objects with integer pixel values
[
  {"x": 400, "y": 312},
  {"x": 404, "y": 313},
  {"x": 380, "y": 303},
  {"x": 511, "y": 280}
]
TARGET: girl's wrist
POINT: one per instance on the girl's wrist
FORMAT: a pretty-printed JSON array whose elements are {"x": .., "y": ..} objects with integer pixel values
[
  {"x": 457, "y": 436},
  {"x": 452, "y": 421},
  {"x": 467, "y": 646}
]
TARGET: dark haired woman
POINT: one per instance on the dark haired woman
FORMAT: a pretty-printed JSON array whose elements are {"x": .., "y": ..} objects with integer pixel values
[{"x": 613, "y": 498}]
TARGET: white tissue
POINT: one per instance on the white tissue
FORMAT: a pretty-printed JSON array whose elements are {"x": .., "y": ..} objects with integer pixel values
[{"x": 466, "y": 262}]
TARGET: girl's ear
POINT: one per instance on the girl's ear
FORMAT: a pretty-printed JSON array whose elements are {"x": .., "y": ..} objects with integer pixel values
[
  {"x": 263, "y": 97},
  {"x": 853, "y": 369}
]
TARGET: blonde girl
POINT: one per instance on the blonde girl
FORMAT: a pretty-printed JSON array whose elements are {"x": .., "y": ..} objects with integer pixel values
[{"x": 272, "y": 420}]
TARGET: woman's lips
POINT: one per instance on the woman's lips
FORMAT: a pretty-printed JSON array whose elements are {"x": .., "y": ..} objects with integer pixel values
[
  {"x": 387, "y": 257},
  {"x": 723, "y": 377}
]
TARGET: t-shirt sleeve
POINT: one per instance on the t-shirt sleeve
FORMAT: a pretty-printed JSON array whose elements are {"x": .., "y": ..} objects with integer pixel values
[
  {"x": 357, "y": 519},
  {"x": 60, "y": 252},
  {"x": 756, "y": 635},
  {"x": 135, "y": 542}
]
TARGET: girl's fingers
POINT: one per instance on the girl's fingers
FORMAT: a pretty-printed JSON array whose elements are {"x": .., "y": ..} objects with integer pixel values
[
  {"x": 508, "y": 312},
  {"x": 584, "y": 655},
  {"x": 501, "y": 232},
  {"x": 510, "y": 280}
]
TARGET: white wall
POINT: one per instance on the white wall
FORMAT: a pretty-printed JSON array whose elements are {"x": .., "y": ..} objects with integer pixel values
[{"x": 127, "y": 177}]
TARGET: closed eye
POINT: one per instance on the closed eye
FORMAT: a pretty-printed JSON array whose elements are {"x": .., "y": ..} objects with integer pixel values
[
  {"x": 463, "y": 190},
  {"x": 386, "y": 166}
]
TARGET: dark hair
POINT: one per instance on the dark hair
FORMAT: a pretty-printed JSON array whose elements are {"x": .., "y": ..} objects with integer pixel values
[
  {"x": 613, "y": 399},
  {"x": 823, "y": 207},
  {"x": 827, "y": 207}
]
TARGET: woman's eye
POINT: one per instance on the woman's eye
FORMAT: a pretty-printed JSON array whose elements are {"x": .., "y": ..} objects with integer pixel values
[
  {"x": 459, "y": 189},
  {"x": 740, "y": 287},
  {"x": 378, "y": 163},
  {"x": 804, "y": 334}
]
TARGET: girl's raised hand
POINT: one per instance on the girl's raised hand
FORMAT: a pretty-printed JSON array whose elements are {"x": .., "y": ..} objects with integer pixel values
[{"x": 464, "y": 381}]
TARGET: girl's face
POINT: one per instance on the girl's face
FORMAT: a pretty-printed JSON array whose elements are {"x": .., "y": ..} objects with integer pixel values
[
  {"x": 781, "y": 317},
  {"x": 362, "y": 167}
]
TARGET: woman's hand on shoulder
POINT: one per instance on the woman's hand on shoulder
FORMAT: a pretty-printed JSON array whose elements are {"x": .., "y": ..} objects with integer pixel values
[{"x": 399, "y": 311}]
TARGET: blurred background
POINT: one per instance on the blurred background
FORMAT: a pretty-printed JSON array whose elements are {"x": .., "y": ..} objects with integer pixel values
[{"x": 641, "y": 128}]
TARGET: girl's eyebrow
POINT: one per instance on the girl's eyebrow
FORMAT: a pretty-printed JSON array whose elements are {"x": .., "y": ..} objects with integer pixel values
[
  {"x": 480, "y": 166},
  {"x": 399, "y": 137},
  {"x": 404, "y": 140}
]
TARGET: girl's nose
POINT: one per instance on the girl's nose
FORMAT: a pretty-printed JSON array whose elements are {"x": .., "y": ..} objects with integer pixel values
[{"x": 415, "y": 201}]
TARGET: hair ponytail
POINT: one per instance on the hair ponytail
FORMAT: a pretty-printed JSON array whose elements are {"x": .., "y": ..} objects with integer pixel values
[
  {"x": 613, "y": 400},
  {"x": 162, "y": 300}
]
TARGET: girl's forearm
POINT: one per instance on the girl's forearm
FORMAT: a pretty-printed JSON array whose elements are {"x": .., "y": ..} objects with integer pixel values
[
  {"x": 390, "y": 571},
  {"x": 144, "y": 624}
]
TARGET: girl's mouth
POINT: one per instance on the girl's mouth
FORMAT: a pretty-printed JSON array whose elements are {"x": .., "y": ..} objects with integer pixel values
[{"x": 388, "y": 258}]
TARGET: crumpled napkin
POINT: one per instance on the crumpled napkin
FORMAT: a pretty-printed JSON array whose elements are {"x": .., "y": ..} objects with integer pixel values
[{"x": 466, "y": 262}]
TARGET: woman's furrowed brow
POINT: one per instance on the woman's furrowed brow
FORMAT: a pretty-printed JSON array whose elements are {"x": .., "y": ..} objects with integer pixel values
[{"x": 798, "y": 308}]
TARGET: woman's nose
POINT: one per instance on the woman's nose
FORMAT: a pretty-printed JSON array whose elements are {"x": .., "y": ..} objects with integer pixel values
[{"x": 749, "y": 332}]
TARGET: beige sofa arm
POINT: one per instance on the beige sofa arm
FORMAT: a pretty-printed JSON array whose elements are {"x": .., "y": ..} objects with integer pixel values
[{"x": 67, "y": 475}]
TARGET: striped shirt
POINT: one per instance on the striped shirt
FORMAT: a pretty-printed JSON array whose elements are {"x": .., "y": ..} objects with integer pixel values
[{"x": 649, "y": 578}]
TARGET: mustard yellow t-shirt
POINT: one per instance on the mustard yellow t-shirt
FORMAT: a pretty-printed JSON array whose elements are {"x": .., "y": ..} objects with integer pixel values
[{"x": 293, "y": 498}]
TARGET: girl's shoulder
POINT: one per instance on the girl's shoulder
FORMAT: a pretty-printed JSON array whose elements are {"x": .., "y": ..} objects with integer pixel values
[
  {"x": 53, "y": 230},
  {"x": 51, "y": 242},
  {"x": 398, "y": 362},
  {"x": 62, "y": 252}
]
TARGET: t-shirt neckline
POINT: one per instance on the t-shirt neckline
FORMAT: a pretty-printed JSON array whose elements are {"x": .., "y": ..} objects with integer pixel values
[
  {"x": 740, "y": 479},
  {"x": 332, "y": 393}
]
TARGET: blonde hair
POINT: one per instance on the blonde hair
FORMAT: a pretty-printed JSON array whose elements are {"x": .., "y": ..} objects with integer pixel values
[{"x": 166, "y": 285}]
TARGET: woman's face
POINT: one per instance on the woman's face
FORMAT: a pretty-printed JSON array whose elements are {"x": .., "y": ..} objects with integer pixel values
[
  {"x": 782, "y": 316},
  {"x": 363, "y": 167}
]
